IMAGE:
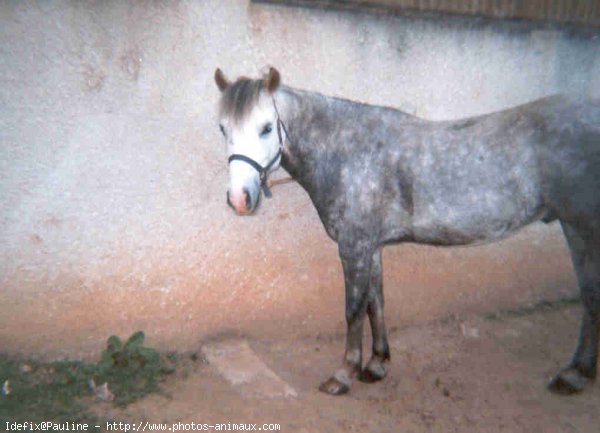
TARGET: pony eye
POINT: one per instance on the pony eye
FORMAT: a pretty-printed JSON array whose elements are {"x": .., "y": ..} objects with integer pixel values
[
  {"x": 266, "y": 130},
  {"x": 222, "y": 130}
]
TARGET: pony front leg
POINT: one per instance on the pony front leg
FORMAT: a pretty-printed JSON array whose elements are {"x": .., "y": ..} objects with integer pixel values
[
  {"x": 376, "y": 368},
  {"x": 357, "y": 271}
]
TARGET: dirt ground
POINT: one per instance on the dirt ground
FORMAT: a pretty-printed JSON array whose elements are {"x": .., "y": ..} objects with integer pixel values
[{"x": 467, "y": 374}]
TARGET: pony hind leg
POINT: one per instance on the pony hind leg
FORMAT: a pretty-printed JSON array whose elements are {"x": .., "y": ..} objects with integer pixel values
[
  {"x": 585, "y": 254},
  {"x": 376, "y": 368}
]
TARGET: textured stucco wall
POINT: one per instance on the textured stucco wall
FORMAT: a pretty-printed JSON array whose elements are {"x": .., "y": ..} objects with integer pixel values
[{"x": 113, "y": 174}]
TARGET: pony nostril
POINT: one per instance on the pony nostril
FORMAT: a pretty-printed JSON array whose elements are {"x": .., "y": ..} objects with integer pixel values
[
  {"x": 229, "y": 201},
  {"x": 248, "y": 199}
]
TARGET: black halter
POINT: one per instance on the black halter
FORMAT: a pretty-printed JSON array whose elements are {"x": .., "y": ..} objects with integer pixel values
[{"x": 263, "y": 172}]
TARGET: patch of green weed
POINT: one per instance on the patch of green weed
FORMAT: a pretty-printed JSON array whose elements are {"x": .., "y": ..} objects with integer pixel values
[{"x": 61, "y": 391}]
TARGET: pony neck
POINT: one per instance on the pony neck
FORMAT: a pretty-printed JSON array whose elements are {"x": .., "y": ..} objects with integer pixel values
[
  {"x": 309, "y": 119},
  {"x": 292, "y": 107}
]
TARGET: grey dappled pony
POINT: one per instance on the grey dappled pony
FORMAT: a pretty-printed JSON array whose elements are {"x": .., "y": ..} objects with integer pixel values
[{"x": 379, "y": 176}]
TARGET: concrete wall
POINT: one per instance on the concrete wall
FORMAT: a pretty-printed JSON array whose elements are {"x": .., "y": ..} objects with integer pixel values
[{"x": 113, "y": 172}]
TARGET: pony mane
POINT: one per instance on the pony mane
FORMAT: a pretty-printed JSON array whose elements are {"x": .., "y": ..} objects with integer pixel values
[{"x": 239, "y": 98}]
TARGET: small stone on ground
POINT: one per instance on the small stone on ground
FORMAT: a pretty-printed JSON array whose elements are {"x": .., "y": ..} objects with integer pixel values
[{"x": 242, "y": 368}]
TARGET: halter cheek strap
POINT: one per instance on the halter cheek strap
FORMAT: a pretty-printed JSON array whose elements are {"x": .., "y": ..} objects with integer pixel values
[{"x": 263, "y": 172}]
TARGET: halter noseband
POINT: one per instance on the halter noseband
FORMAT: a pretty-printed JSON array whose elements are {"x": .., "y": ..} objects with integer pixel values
[{"x": 263, "y": 172}]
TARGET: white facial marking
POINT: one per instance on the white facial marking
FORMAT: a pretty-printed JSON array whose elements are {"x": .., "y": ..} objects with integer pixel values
[{"x": 256, "y": 138}]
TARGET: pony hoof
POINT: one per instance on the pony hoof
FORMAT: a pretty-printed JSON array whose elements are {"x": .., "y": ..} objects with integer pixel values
[
  {"x": 373, "y": 372},
  {"x": 334, "y": 387},
  {"x": 567, "y": 382}
]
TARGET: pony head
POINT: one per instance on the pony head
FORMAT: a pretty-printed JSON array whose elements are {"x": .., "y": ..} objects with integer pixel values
[{"x": 249, "y": 121}]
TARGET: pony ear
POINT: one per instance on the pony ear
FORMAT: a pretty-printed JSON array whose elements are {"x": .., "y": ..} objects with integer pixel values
[
  {"x": 222, "y": 82},
  {"x": 273, "y": 80}
]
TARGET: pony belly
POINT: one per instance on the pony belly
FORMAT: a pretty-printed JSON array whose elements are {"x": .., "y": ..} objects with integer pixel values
[{"x": 474, "y": 228}]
